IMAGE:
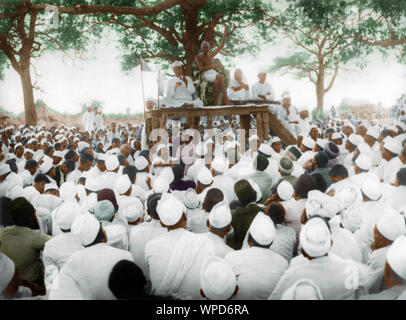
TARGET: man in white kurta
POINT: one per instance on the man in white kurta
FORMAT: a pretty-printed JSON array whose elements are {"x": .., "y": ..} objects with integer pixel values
[
  {"x": 180, "y": 90},
  {"x": 174, "y": 259},
  {"x": 88, "y": 119},
  {"x": 258, "y": 269},
  {"x": 262, "y": 90}
]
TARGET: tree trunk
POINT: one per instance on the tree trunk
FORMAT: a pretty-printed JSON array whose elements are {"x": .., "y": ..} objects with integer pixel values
[
  {"x": 320, "y": 89},
  {"x": 29, "y": 107}
]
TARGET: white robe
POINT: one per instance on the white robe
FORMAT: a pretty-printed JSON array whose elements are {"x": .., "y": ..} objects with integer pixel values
[
  {"x": 182, "y": 95},
  {"x": 86, "y": 274},
  {"x": 174, "y": 260},
  {"x": 258, "y": 271},
  {"x": 263, "y": 89}
]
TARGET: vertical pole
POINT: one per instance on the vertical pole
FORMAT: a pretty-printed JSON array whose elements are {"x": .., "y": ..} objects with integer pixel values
[
  {"x": 159, "y": 83},
  {"x": 142, "y": 85}
]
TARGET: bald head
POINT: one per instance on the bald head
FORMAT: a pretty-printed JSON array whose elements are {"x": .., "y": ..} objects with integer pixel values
[{"x": 125, "y": 150}]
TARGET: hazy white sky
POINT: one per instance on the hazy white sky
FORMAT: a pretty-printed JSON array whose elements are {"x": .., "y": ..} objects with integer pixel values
[{"x": 66, "y": 87}]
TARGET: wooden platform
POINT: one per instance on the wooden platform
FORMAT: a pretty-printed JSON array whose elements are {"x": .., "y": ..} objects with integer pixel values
[{"x": 156, "y": 119}]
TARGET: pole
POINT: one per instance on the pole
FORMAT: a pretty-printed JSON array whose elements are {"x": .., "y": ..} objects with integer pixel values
[
  {"x": 142, "y": 85},
  {"x": 159, "y": 82}
]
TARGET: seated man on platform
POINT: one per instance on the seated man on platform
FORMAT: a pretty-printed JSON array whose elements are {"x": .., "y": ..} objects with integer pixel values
[
  {"x": 239, "y": 89},
  {"x": 180, "y": 90},
  {"x": 262, "y": 90},
  {"x": 206, "y": 64}
]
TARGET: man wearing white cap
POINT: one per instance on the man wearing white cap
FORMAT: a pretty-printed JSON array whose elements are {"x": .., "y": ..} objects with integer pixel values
[
  {"x": 304, "y": 121},
  {"x": 88, "y": 119},
  {"x": 307, "y": 147},
  {"x": 85, "y": 275},
  {"x": 219, "y": 226},
  {"x": 258, "y": 269},
  {"x": 59, "y": 249},
  {"x": 315, "y": 240},
  {"x": 393, "y": 166},
  {"x": 350, "y": 145},
  {"x": 180, "y": 90},
  {"x": 394, "y": 273},
  {"x": 362, "y": 171},
  {"x": 174, "y": 259},
  {"x": 393, "y": 195},
  {"x": 390, "y": 149},
  {"x": 142, "y": 233},
  {"x": 220, "y": 179},
  {"x": 143, "y": 178},
  {"x": 288, "y": 114},
  {"x": 218, "y": 280},
  {"x": 389, "y": 226},
  {"x": 262, "y": 90},
  {"x": 371, "y": 138},
  {"x": 109, "y": 178}
]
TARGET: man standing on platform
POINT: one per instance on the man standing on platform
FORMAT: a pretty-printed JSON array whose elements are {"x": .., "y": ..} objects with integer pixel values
[
  {"x": 88, "y": 119},
  {"x": 288, "y": 114},
  {"x": 206, "y": 65}
]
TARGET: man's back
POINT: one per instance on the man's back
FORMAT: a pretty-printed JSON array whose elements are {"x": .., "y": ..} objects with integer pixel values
[
  {"x": 89, "y": 269},
  {"x": 329, "y": 275},
  {"x": 140, "y": 235},
  {"x": 174, "y": 260},
  {"x": 258, "y": 271},
  {"x": 264, "y": 181}
]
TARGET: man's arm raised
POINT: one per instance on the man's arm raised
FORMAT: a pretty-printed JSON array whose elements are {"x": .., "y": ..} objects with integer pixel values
[{"x": 223, "y": 41}]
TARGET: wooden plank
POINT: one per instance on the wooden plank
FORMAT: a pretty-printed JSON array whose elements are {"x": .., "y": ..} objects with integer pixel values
[
  {"x": 265, "y": 119},
  {"x": 280, "y": 130}
]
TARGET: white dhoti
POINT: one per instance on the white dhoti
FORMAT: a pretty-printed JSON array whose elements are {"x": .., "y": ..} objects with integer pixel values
[{"x": 210, "y": 75}]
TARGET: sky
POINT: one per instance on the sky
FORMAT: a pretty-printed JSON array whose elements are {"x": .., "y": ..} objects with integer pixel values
[{"x": 65, "y": 85}]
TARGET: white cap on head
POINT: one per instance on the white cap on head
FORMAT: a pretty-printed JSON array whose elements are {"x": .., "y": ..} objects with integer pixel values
[
  {"x": 355, "y": 139},
  {"x": 286, "y": 95},
  {"x": 363, "y": 162},
  {"x": 67, "y": 191},
  {"x": 262, "y": 229},
  {"x": 348, "y": 195},
  {"x": 140, "y": 163},
  {"x": 7, "y": 268},
  {"x": 92, "y": 184},
  {"x": 372, "y": 189},
  {"x": 4, "y": 169},
  {"x": 133, "y": 209},
  {"x": 112, "y": 163},
  {"x": 86, "y": 227},
  {"x": 392, "y": 128},
  {"x": 58, "y": 154},
  {"x": 257, "y": 189},
  {"x": 46, "y": 166},
  {"x": 315, "y": 238},
  {"x": 275, "y": 139},
  {"x": 50, "y": 186},
  {"x": 123, "y": 184},
  {"x": 219, "y": 165},
  {"x": 393, "y": 146},
  {"x": 266, "y": 149},
  {"x": 261, "y": 70},
  {"x": 285, "y": 190},
  {"x": 190, "y": 199},
  {"x": 373, "y": 132},
  {"x": 217, "y": 279},
  {"x": 303, "y": 108},
  {"x": 204, "y": 176},
  {"x": 167, "y": 173},
  {"x": 336, "y": 135},
  {"x": 82, "y": 145},
  {"x": 177, "y": 64},
  {"x": 160, "y": 185},
  {"x": 308, "y": 143},
  {"x": 321, "y": 142},
  {"x": 396, "y": 256},
  {"x": 220, "y": 215},
  {"x": 391, "y": 224},
  {"x": 65, "y": 216},
  {"x": 351, "y": 218},
  {"x": 321, "y": 204},
  {"x": 170, "y": 209}
]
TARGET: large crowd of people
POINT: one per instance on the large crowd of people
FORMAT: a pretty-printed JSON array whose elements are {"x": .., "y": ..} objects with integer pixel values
[{"x": 105, "y": 212}]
